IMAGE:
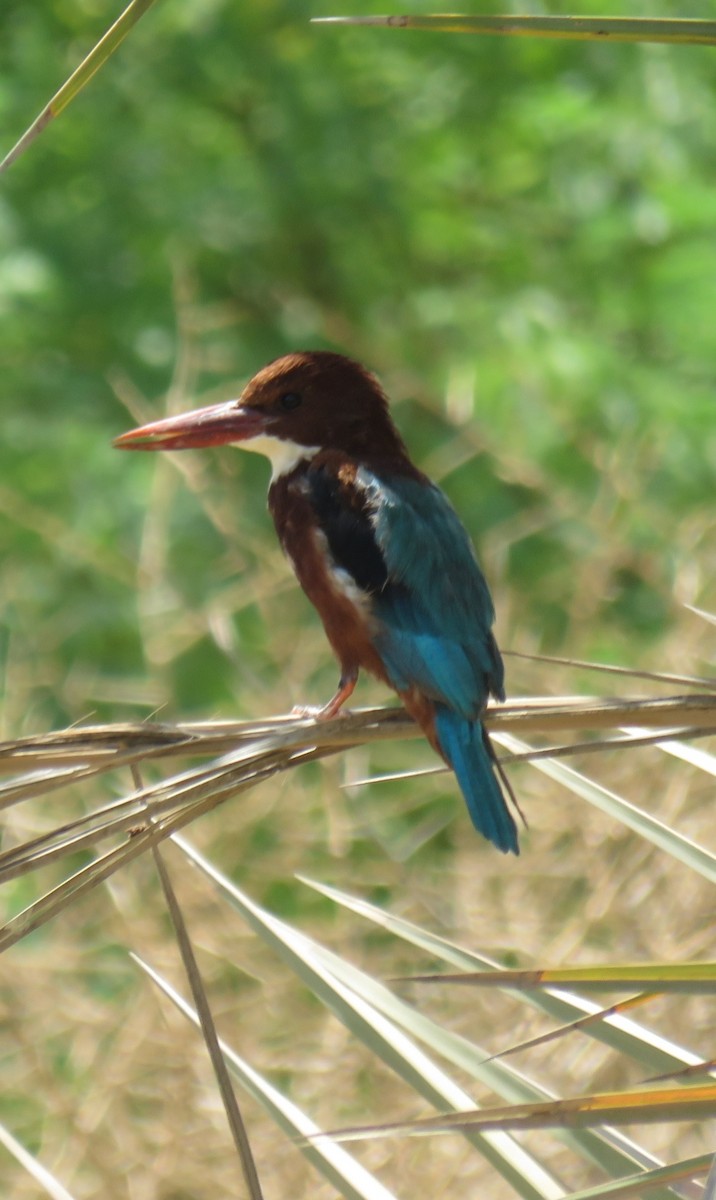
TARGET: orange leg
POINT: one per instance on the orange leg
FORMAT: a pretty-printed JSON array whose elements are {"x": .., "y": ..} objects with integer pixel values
[{"x": 346, "y": 687}]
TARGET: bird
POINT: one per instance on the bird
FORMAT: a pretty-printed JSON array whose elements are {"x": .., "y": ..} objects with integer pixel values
[{"x": 377, "y": 548}]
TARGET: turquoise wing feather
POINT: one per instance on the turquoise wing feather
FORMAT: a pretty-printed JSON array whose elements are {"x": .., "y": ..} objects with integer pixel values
[
  {"x": 403, "y": 545},
  {"x": 435, "y": 612},
  {"x": 434, "y": 617}
]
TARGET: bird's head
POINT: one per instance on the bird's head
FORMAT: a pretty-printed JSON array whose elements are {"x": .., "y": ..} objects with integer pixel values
[{"x": 294, "y": 407}]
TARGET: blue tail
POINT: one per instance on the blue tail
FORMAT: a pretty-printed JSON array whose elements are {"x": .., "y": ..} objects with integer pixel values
[{"x": 466, "y": 748}]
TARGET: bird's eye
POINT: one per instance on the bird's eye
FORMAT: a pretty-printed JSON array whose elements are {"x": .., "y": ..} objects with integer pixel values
[{"x": 290, "y": 400}]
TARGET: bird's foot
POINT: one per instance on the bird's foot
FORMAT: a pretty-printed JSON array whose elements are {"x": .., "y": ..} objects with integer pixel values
[
  {"x": 307, "y": 710},
  {"x": 318, "y": 712},
  {"x": 346, "y": 687}
]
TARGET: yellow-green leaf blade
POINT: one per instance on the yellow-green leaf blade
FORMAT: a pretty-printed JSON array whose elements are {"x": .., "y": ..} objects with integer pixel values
[
  {"x": 639, "y": 1107},
  {"x": 661, "y": 977},
  {"x": 637, "y": 1185},
  {"x": 88, "y": 67},
  {"x": 674, "y": 31}
]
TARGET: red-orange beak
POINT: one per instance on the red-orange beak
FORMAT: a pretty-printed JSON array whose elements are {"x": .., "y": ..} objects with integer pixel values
[{"x": 214, "y": 426}]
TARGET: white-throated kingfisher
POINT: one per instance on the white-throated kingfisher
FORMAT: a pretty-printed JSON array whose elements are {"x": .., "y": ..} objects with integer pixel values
[{"x": 376, "y": 547}]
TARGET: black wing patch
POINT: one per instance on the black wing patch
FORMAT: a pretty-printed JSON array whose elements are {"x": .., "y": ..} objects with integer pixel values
[{"x": 344, "y": 517}]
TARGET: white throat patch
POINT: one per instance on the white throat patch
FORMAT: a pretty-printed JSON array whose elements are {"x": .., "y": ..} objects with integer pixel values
[{"x": 284, "y": 455}]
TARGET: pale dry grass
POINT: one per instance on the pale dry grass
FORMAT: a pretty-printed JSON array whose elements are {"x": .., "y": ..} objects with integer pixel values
[
  {"x": 103, "y": 1080},
  {"x": 107, "y": 1050}
]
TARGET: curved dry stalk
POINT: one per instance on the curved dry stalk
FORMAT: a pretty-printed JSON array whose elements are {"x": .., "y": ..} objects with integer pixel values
[
  {"x": 253, "y": 752},
  {"x": 95, "y": 748}
]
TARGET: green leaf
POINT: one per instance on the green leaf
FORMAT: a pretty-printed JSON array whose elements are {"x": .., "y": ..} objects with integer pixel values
[
  {"x": 340, "y": 1168},
  {"x": 369, "y": 1010},
  {"x": 114, "y": 36},
  {"x": 40, "y": 1174},
  {"x": 680, "y": 32},
  {"x": 692, "y": 978},
  {"x": 680, "y": 847},
  {"x": 636, "y": 1185},
  {"x": 621, "y": 1033},
  {"x": 580, "y": 1112}
]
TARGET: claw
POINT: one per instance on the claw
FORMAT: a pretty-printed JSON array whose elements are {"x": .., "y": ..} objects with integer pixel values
[
  {"x": 306, "y": 710},
  {"x": 346, "y": 687}
]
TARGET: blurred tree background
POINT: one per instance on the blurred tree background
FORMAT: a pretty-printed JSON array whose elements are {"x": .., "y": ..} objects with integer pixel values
[{"x": 517, "y": 236}]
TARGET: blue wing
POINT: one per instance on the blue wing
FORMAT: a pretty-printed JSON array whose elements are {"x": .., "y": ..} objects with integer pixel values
[
  {"x": 403, "y": 545},
  {"x": 434, "y": 617},
  {"x": 434, "y": 613}
]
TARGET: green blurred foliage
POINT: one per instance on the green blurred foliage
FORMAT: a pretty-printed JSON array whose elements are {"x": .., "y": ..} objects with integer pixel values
[{"x": 518, "y": 236}]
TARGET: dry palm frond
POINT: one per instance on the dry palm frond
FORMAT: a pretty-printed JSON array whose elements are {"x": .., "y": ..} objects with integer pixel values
[
  {"x": 94, "y": 748},
  {"x": 248, "y": 753},
  {"x": 399, "y": 1034},
  {"x": 208, "y": 1029}
]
